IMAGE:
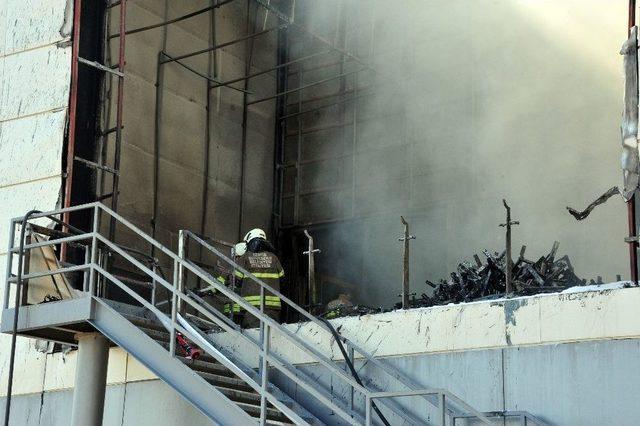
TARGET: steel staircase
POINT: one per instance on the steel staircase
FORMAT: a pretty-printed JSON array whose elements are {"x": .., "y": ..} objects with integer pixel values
[{"x": 219, "y": 384}]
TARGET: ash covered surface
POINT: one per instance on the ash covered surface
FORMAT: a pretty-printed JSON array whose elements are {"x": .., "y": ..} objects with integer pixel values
[{"x": 485, "y": 280}]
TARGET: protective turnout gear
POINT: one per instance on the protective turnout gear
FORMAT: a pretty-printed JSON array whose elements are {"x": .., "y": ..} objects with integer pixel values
[
  {"x": 255, "y": 233},
  {"x": 260, "y": 261}
]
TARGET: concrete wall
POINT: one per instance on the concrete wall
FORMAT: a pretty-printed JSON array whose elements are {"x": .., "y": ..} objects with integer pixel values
[
  {"x": 565, "y": 358},
  {"x": 183, "y": 120},
  {"x": 475, "y": 102},
  {"x": 35, "y": 64}
]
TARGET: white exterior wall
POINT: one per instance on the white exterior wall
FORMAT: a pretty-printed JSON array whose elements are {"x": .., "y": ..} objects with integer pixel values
[
  {"x": 35, "y": 73},
  {"x": 35, "y": 65},
  {"x": 526, "y": 321}
]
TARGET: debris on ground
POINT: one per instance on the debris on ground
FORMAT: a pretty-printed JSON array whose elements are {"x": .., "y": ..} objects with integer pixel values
[
  {"x": 351, "y": 311},
  {"x": 486, "y": 280}
]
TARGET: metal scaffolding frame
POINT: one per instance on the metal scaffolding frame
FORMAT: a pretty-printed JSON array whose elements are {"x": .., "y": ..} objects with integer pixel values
[
  {"x": 117, "y": 71},
  {"x": 287, "y": 25}
]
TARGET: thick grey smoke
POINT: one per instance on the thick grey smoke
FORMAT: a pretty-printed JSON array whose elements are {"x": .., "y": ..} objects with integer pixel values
[{"x": 470, "y": 102}]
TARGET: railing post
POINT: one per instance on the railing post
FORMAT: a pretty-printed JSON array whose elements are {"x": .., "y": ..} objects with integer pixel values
[
  {"x": 367, "y": 415},
  {"x": 174, "y": 309},
  {"x": 442, "y": 418},
  {"x": 350, "y": 353},
  {"x": 94, "y": 252},
  {"x": 182, "y": 254},
  {"x": 311, "y": 281},
  {"x": 262, "y": 324},
  {"x": 154, "y": 284},
  {"x": 7, "y": 273},
  {"x": 406, "y": 237},
  {"x": 233, "y": 282},
  {"x": 264, "y": 373},
  {"x": 87, "y": 261}
]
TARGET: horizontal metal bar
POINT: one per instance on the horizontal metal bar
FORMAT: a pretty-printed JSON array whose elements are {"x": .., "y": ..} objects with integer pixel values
[
  {"x": 219, "y": 46},
  {"x": 297, "y": 89},
  {"x": 397, "y": 394},
  {"x": 344, "y": 100},
  {"x": 60, "y": 271},
  {"x": 109, "y": 131},
  {"x": 58, "y": 211},
  {"x": 174, "y": 20},
  {"x": 313, "y": 35},
  {"x": 310, "y": 130},
  {"x": 96, "y": 165},
  {"x": 101, "y": 67},
  {"x": 198, "y": 73},
  {"x": 256, "y": 74},
  {"x": 70, "y": 239}
]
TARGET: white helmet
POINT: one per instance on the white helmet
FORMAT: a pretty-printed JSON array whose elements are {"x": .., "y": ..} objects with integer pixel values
[{"x": 255, "y": 233}]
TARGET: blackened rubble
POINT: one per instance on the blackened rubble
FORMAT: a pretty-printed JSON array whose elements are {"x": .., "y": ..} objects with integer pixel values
[{"x": 478, "y": 280}]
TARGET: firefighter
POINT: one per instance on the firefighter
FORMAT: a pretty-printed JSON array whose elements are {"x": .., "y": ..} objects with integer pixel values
[{"x": 260, "y": 260}]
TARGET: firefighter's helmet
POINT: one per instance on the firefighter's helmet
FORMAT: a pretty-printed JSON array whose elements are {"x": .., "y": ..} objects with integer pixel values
[{"x": 255, "y": 233}]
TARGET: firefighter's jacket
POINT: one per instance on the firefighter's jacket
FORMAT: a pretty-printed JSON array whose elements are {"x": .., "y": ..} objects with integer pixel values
[{"x": 266, "y": 267}]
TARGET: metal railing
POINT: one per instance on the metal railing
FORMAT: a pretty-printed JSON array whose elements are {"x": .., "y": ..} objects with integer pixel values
[
  {"x": 97, "y": 278},
  {"x": 353, "y": 349}
]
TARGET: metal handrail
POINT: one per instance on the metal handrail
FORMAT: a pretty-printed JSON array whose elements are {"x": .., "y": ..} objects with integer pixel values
[
  {"x": 177, "y": 297},
  {"x": 180, "y": 297},
  {"x": 393, "y": 372}
]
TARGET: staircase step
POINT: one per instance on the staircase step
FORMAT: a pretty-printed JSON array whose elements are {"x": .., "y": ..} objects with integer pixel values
[
  {"x": 145, "y": 322},
  {"x": 201, "y": 364},
  {"x": 272, "y": 413},
  {"x": 161, "y": 336},
  {"x": 225, "y": 381}
]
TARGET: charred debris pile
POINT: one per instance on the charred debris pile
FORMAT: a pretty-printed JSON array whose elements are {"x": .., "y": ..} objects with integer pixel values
[{"x": 487, "y": 280}]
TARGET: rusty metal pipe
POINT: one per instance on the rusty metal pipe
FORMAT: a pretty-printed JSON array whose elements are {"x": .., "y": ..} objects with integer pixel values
[{"x": 73, "y": 105}]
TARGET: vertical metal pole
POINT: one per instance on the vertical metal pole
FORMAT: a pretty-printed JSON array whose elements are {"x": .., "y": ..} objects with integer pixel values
[
  {"x": 442, "y": 408},
  {"x": 174, "y": 309},
  {"x": 311, "y": 281},
  {"x": 119, "y": 118},
  {"x": 233, "y": 282},
  {"x": 367, "y": 415},
  {"x": 296, "y": 186},
  {"x": 94, "y": 251},
  {"x": 156, "y": 146},
  {"x": 182, "y": 253},
  {"x": 264, "y": 374},
  {"x": 405, "y": 263},
  {"x": 154, "y": 284},
  {"x": 245, "y": 118},
  {"x": 350, "y": 352},
  {"x": 87, "y": 261},
  {"x": 631, "y": 204},
  {"x": 509, "y": 263},
  {"x": 262, "y": 323},
  {"x": 73, "y": 105},
  {"x": 7, "y": 273}
]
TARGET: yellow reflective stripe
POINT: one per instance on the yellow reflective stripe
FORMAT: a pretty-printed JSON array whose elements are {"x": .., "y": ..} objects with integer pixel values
[
  {"x": 236, "y": 308},
  {"x": 251, "y": 298},
  {"x": 238, "y": 274},
  {"x": 268, "y": 274},
  {"x": 272, "y": 301},
  {"x": 221, "y": 279}
]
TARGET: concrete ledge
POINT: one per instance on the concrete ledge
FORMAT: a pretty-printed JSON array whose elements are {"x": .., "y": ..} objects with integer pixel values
[{"x": 533, "y": 320}]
